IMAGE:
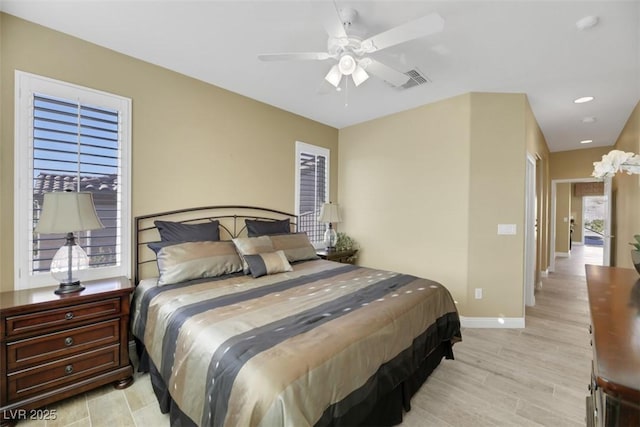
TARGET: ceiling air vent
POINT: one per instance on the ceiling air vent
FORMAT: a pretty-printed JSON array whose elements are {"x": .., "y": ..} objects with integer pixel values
[{"x": 416, "y": 78}]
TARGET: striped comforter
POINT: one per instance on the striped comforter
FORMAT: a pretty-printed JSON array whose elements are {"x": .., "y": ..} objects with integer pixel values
[{"x": 289, "y": 349}]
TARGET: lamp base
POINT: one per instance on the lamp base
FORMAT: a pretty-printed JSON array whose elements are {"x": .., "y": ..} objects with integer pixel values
[
  {"x": 330, "y": 238},
  {"x": 69, "y": 288}
]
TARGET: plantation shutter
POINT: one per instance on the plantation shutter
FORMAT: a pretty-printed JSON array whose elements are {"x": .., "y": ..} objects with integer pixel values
[
  {"x": 77, "y": 147},
  {"x": 313, "y": 193}
]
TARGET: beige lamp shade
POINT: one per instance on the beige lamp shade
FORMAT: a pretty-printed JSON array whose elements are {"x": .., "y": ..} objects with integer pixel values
[
  {"x": 329, "y": 213},
  {"x": 64, "y": 212}
]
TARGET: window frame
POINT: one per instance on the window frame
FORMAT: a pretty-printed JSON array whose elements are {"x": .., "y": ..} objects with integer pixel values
[
  {"x": 303, "y": 147},
  {"x": 26, "y": 85}
]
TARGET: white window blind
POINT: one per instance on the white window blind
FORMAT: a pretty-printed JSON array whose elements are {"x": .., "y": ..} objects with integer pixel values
[
  {"x": 312, "y": 188},
  {"x": 76, "y": 142},
  {"x": 75, "y": 147}
]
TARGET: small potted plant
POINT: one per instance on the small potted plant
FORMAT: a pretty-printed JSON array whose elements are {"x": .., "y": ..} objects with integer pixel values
[
  {"x": 346, "y": 243},
  {"x": 635, "y": 253}
]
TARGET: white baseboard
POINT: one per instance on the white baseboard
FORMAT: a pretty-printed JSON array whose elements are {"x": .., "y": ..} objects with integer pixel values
[
  {"x": 545, "y": 273},
  {"x": 563, "y": 254},
  {"x": 577, "y": 243},
  {"x": 492, "y": 322}
]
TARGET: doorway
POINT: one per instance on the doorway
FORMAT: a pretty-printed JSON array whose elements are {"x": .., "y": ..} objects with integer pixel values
[
  {"x": 598, "y": 249},
  {"x": 593, "y": 218}
]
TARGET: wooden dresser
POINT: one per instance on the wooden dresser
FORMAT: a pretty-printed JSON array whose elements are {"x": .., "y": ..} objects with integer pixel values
[
  {"x": 56, "y": 346},
  {"x": 614, "y": 302}
]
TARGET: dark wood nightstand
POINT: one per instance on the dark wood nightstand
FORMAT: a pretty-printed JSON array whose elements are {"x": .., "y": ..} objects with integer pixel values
[
  {"x": 56, "y": 346},
  {"x": 343, "y": 256}
]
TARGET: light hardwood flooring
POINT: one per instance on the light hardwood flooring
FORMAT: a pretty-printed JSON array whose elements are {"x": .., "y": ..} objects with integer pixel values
[{"x": 500, "y": 377}]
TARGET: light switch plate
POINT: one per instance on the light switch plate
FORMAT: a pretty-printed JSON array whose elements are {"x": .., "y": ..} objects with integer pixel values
[{"x": 506, "y": 229}]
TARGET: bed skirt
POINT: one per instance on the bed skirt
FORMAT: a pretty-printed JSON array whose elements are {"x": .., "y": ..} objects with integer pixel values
[{"x": 385, "y": 400}]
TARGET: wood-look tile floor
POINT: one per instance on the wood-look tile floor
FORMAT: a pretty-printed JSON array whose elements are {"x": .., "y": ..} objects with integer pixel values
[{"x": 500, "y": 377}]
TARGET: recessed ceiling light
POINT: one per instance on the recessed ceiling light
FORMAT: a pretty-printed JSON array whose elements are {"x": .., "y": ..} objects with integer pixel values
[
  {"x": 586, "y": 141},
  {"x": 587, "y": 22},
  {"x": 589, "y": 119},
  {"x": 583, "y": 99}
]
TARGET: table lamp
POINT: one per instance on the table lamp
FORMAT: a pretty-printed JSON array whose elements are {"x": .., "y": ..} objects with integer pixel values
[
  {"x": 66, "y": 212},
  {"x": 329, "y": 214}
]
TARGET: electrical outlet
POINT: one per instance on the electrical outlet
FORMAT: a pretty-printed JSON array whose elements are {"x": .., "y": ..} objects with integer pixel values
[{"x": 478, "y": 293}]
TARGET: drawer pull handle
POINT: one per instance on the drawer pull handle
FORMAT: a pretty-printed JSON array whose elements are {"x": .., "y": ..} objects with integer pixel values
[
  {"x": 68, "y": 341},
  {"x": 68, "y": 369},
  {"x": 68, "y": 315}
]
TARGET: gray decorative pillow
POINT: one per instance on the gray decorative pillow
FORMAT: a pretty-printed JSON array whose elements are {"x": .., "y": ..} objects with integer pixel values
[
  {"x": 265, "y": 228},
  {"x": 296, "y": 246},
  {"x": 194, "y": 260},
  {"x": 252, "y": 246},
  {"x": 156, "y": 246},
  {"x": 267, "y": 263},
  {"x": 179, "y": 232}
]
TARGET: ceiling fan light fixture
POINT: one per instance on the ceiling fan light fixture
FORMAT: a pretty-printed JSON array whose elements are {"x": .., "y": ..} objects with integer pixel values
[
  {"x": 347, "y": 64},
  {"x": 359, "y": 76},
  {"x": 334, "y": 76}
]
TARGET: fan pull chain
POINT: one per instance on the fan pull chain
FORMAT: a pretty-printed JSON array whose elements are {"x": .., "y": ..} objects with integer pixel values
[{"x": 346, "y": 92}]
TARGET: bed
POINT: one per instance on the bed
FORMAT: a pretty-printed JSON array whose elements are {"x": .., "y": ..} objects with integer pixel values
[{"x": 276, "y": 336}]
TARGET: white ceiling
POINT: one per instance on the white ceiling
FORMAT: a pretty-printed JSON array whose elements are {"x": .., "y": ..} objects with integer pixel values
[{"x": 516, "y": 46}]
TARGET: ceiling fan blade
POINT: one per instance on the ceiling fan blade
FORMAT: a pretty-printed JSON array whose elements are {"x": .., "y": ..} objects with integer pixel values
[
  {"x": 378, "y": 69},
  {"x": 332, "y": 21},
  {"x": 421, "y": 27},
  {"x": 302, "y": 56}
]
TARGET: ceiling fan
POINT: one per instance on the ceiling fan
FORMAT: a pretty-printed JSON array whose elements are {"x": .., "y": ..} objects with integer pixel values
[{"x": 349, "y": 47}]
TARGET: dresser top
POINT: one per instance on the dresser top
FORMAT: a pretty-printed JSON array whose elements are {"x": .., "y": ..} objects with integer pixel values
[
  {"x": 46, "y": 295},
  {"x": 614, "y": 302}
]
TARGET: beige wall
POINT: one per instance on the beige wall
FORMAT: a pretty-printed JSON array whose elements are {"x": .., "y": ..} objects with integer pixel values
[
  {"x": 497, "y": 196},
  {"x": 193, "y": 144},
  {"x": 575, "y": 164},
  {"x": 404, "y": 185},
  {"x": 563, "y": 212},
  {"x": 627, "y": 194},
  {"x": 423, "y": 191}
]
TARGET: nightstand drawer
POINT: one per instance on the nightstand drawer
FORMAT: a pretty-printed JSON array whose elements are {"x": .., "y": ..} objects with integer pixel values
[
  {"x": 42, "y": 378},
  {"x": 66, "y": 316},
  {"x": 25, "y": 353}
]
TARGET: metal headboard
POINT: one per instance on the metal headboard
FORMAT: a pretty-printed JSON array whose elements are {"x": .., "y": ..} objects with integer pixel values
[{"x": 231, "y": 219}]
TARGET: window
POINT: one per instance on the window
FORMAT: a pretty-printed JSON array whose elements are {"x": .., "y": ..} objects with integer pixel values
[
  {"x": 312, "y": 189},
  {"x": 70, "y": 138}
]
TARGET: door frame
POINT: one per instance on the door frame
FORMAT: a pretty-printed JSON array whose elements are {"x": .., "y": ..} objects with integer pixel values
[
  {"x": 530, "y": 252},
  {"x": 606, "y": 256}
]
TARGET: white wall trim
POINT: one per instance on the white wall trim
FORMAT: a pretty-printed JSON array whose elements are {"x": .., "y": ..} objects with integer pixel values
[
  {"x": 563, "y": 254},
  {"x": 492, "y": 322}
]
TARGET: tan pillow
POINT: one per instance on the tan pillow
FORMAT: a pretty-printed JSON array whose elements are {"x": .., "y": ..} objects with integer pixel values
[
  {"x": 267, "y": 263},
  {"x": 195, "y": 260},
  {"x": 296, "y": 246},
  {"x": 252, "y": 246}
]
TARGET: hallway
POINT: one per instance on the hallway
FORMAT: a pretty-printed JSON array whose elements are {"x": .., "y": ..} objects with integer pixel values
[{"x": 580, "y": 255}]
